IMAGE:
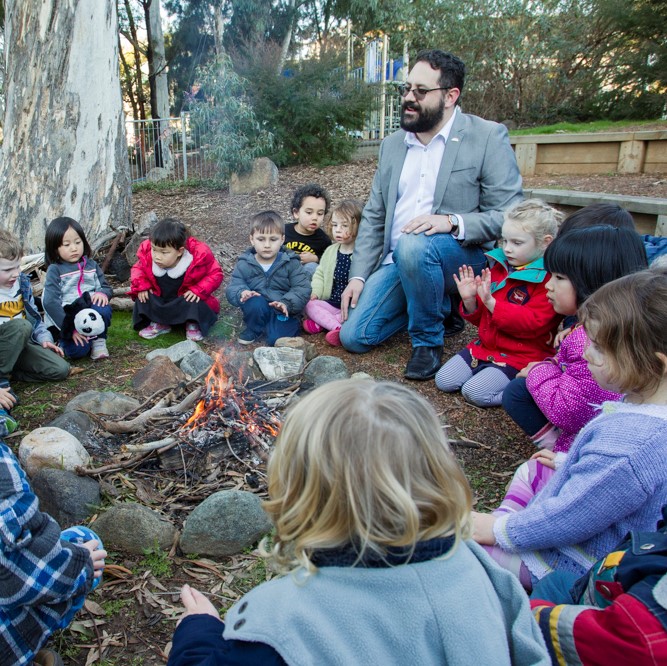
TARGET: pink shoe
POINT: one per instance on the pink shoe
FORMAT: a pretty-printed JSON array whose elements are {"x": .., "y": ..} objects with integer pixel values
[
  {"x": 153, "y": 330},
  {"x": 311, "y": 327},
  {"x": 192, "y": 332},
  {"x": 333, "y": 337}
]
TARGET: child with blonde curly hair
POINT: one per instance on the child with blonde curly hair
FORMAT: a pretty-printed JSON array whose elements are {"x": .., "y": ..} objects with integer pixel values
[{"x": 371, "y": 515}]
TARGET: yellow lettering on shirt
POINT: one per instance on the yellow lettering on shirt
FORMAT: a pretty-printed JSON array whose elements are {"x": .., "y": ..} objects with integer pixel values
[{"x": 299, "y": 247}]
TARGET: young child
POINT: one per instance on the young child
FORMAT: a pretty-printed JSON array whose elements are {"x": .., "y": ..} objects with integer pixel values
[
  {"x": 45, "y": 574},
  {"x": 508, "y": 304},
  {"x": 305, "y": 237},
  {"x": 371, "y": 515},
  {"x": 553, "y": 399},
  {"x": 173, "y": 283},
  {"x": 27, "y": 350},
  {"x": 614, "y": 478},
  {"x": 270, "y": 286},
  {"x": 331, "y": 276},
  {"x": 70, "y": 273}
]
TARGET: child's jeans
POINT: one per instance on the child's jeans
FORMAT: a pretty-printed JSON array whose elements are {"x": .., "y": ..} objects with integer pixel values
[
  {"x": 75, "y": 351},
  {"x": 324, "y": 314},
  {"x": 260, "y": 318}
]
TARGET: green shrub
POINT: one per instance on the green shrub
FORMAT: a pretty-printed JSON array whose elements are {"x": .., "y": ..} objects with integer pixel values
[
  {"x": 224, "y": 114},
  {"x": 312, "y": 108}
]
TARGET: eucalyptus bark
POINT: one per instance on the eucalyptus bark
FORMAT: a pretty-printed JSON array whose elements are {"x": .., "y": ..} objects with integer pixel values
[{"x": 64, "y": 150}]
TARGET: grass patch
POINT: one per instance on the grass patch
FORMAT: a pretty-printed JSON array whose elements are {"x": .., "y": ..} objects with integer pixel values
[
  {"x": 593, "y": 126},
  {"x": 114, "y": 606},
  {"x": 157, "y": 560},
  {"x": 122, "y": 336}
]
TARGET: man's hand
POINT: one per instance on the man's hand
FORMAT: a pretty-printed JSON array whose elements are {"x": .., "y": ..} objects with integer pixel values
[
  {"x": 308, "y": 258},
  {"x": 7, "y": 400},
  {"x": 280, "y": 306},
  {"x": 191, "y": 297},
  {"x": 142, "y": 296},
  {"x": 246, "y": 294},
  {"x": 53, "y": 347},
  {"x": 196, "y": 603},
  {"x": 428, "y": 225},
  {"x": 350, "y": 297},
  {"x": 100, "y": 299},
  {"x": 483, "y": 528}
]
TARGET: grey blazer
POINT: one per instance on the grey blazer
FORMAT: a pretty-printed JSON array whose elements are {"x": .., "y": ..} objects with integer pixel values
[{"x": 478, "y": 179}]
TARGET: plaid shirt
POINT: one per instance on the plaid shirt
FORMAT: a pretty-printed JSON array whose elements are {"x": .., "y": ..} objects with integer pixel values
[{"x": 41, "y": 577}]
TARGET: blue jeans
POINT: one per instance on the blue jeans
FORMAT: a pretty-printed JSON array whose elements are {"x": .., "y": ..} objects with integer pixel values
[
  {"x": 413, "y": 292},
  {"x": 259, "y": 318},
  {"x": 79, "y": 351},
  {"x": 519, "y": 404}
]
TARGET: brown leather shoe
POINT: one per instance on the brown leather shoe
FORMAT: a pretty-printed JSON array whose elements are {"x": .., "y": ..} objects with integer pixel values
[{"x": 46, "y": 657}]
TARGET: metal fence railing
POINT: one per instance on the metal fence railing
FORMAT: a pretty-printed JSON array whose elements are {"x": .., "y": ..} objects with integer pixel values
[{"x": 166, "y": 148}]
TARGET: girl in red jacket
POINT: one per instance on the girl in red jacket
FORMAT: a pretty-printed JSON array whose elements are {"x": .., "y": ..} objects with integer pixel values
[
  {"x": 508, "y": 304},
  {"x": 173, "y": 282}
]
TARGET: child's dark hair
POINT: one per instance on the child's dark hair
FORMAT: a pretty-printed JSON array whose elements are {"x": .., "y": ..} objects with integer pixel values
[
  {"x": 628, "y": 319},
  {"x": 597, "y": 214},
  {"x": 10, "y": 246},
  {"x": 266, "y": 222},
  {"x": 593, "y": 256},
  {"x": 54, "y": 238},
  {"x": 310, "y": 190},
  {"x": 169, "y": 232}
]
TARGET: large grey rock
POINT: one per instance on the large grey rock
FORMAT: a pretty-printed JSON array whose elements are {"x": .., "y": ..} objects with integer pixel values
[
  {"x": 69, "y": 498},
  {"x": 176, "y": 352},
  {"x": 263, "y": 174},
  {"x": 51, "y": 447},
  {"x": 160, "y": 373},
  {"x": 121, "y": 304},
  {"x": 242, "y": 366},
  {"x": 224, "y": 524},
  {"x": 279, "y": 362},
  {"x": 324, "y": 369},
  {"x": 196, "y": 363},
  {"x": 156, "y": 174},
  {"x": 78, "y": 424},
  {"x": 134, "y": 528},
  {"x": 104, "y": 403},
  {"x": 308, "y": 348}
]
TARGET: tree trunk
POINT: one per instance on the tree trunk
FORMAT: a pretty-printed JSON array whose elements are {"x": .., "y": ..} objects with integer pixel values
[
  {"x": 64, "y": 149},
  {"x": 219, "y": 31}
]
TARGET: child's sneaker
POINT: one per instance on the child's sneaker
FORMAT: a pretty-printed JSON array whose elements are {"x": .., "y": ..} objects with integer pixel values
[
  {"x": 246, "y": 337},
  {"x": 311, "y": 327},
  {"x": 333, "y": 337},
  {"x": 98, "y": 349},
  {"x": 193, "y": 332},
  {"x": 153, "y": 330},
  {"x": 8, "y": 424}
]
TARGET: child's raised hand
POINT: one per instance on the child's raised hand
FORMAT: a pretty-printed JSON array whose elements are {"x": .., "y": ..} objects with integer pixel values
[
  {"x": 465, "y": 282},
  {"x": 484, "y": 289},
  {"x": 97, "y": 555},
  {"x": 308, "y": 258},
  {"x": 98, "y": 298},
  {"x": 246, "y": 294},
  {"x": 142, "y": 296},
  {"x": 79, "y": 340},
  {"x": 191, "y": 297},
  {"x": 53, "y": 347},
  {"x": 7, "y": 400},
  {"x": 280, "y": 306},
  {"x": 196, "y": 603}
]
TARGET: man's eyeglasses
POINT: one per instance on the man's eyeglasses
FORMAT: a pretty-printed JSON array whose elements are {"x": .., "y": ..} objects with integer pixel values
[{"x": 405, "y": 89}]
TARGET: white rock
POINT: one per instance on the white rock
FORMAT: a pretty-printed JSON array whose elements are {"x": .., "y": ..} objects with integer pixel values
[
  {"x": 51, "y": 447},
  {"x": 279, "y": 362}
]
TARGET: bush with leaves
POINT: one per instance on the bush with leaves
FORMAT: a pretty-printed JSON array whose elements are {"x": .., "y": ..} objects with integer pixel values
[
  {"x": 312, "y": 108},
  {"x": 226, "y": 119}
]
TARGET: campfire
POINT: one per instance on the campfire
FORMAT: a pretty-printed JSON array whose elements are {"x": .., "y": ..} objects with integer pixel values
[{"x": 213, "y": 430}]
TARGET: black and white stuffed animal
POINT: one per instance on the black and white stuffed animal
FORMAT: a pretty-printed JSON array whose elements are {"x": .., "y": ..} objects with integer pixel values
[{"x": 81, "y": 317}]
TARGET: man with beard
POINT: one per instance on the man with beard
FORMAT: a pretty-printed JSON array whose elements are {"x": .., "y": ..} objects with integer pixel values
[{"x": 436, "y": 203}]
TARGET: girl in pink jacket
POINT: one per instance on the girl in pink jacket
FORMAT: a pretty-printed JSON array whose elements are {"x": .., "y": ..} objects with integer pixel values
[{"x": 173, "y": 283}]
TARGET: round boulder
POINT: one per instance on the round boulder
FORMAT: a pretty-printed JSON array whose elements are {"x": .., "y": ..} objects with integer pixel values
[
  {"x": 224, "y": 524},
  {"x": 51, "y": 447}
]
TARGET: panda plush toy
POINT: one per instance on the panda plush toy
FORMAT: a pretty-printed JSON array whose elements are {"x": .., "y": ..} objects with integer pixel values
[{"x": 80, "y": 317}]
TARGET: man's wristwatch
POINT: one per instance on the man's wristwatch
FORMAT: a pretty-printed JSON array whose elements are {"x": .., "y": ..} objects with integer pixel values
[{"x": 454, "y": 222}]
